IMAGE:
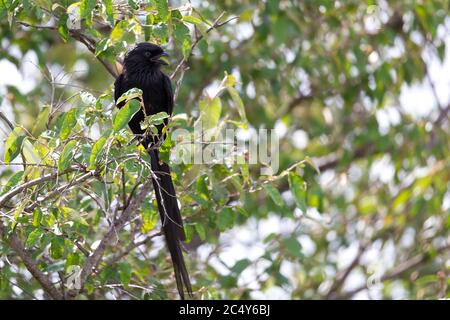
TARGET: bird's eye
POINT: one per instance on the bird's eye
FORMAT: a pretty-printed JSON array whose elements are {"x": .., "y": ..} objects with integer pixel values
[{"x": 147, "y": 54}]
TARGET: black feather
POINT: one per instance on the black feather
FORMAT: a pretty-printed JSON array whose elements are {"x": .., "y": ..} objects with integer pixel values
[{"x": 142, "y": 71}]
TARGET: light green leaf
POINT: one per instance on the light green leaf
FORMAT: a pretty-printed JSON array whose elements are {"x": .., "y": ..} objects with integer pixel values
[
  {"x": 191, "y": 19},
  {"x": 33, "y": 238},
  {"x": 13, "y": 144},
  {"x": 238, "y": 104},
  {"x": 109, "y": 10},
  {"x": 86, "y": 8},
  {"x": 69, "y": 123},
  {"x": 149, "y": 217},
  {"x": 125, "y": 114},
  {"x": 97, "y": 149},
  {"x": 163, "y": 9},
  {"x": 63, "y": 30},
  {"x": 200, "y": 229},
  {"x": 125, "y": 273},
  {"x": 298, "y": 189},
  {"x": 210, "y": 112},
  {"x": 129, "y": 95},
  {"x": 57, "y": 247},
  {"x": 118, "y": 31},
  {"x": 66, "y": 156},
  {"x": 158, "y": 118},
  {"x": 12, "y": 182},
  {"x": 41, "y": 121}
]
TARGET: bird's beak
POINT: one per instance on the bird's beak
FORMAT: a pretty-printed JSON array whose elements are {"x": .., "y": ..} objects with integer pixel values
[{"x": 157, "y": 59}]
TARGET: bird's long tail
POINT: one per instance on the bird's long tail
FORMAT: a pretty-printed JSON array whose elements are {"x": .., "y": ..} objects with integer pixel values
[{"x": 171, "y": 220}]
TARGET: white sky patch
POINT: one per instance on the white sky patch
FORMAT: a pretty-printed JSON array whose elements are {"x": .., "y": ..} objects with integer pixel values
[
  {"x": 300, "y": 139},
  {"x": 382, "y": 170},
  {"x": 280, "y": 128}
]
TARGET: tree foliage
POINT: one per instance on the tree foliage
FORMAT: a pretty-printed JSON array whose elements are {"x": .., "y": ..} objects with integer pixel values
[{"x": 360, "y": 205}]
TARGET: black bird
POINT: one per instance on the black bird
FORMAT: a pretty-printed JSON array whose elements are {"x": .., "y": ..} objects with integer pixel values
[{"x": 142, "y": 69}]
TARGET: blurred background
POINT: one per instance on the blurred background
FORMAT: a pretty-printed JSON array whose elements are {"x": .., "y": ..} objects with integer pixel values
[{"x": 360, "y": 87}]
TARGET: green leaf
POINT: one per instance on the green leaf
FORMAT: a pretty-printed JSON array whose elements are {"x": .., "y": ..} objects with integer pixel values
[
  {"x": 97, "y": 149},
  {"x": 63, "y": 30},
  {"x": 147, "y": 27},
  {"x": 161, "y": 32},
  {"x": 57, "y": 247},
  {"x": 37, "y": 217},
  {"x": 12, "y": 182},
  {"x": 240, "y": 266},
  {"x": 86, "y": 9},
  {"x": 125, "y": 114},
  {"x": 200, "y": 229},
  {"x": 298, "y": 189},
  {"x": 125, "y": 273},
  {"x": 109, "y": 10},
  {"x": 13, "y": 144},
  {"x": 191, "y": 19},
  {"x": 118, "y": 31},
  {"x": 210, "y": 112},
  {"x": 226, "y": 219},
  {"x": 274, "y": 194},
  {"x": 72, "y": 259},
  {"x": 238, "y": 104},
  {"x": 66, "y": 155},
  {"x": 33, "y": 238},
  {"x": 293, "y": 246},
  {"x": 102, "y": 46},
  {"x": 41, "y": 121},
  {"x": 310, "y": 161},
  {"x": 158, "y": 118},
  {"x": 163, "y": 10},
  {"x": 129, "y": 95},
  {"x": 149, "y": 217},
  {"x": 69, "y": 123}
]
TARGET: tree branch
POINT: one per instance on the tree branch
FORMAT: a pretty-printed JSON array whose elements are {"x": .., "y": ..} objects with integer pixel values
[
  {"x": 215, "y": 25},
  {"x": 80, "y": 37},
  {"x": 7, "y": 196},
  {"x": 30, "y": 264},
  {"x": 93, "y": 261},
  {"x": 398, "y": 271}
]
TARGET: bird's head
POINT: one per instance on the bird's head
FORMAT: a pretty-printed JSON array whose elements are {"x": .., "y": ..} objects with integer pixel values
[{"x": 145, "y": 53}]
